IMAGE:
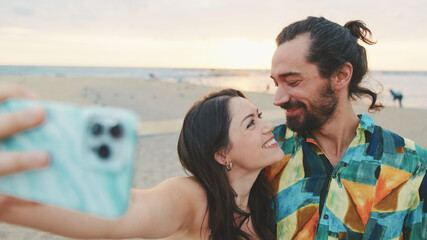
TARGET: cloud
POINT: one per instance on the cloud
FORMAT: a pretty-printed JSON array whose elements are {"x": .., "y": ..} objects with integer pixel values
[
  {"x": 200, "y": 23},
  {"x": 187, "y": 19},
  {"x": 21, "y": 10}
]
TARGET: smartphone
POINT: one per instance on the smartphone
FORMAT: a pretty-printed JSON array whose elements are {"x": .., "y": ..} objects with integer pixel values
[{"x": 91, "y": 149}]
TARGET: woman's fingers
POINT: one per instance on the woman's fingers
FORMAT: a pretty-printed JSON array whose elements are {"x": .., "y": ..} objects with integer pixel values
[
  {"x": 14, "y": 91},
  {"x": 13, "y": 123},
  {"x": 23, "y": 161}
]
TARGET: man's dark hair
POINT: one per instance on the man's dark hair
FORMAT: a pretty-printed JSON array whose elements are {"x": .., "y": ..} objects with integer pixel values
[{"x": 332, "y": 45}]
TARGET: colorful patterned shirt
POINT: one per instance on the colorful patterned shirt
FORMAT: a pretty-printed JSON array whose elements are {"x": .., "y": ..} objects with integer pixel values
[{"x": 377, "y": 190}]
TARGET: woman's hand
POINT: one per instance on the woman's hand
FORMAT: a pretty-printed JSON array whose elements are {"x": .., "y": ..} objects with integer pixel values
[{"x": 13, "y": 123}]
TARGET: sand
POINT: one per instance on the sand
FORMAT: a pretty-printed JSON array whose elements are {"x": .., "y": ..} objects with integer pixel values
[{"x": 161, "y": 107}]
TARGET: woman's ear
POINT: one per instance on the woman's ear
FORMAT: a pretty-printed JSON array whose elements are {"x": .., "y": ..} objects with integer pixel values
[
  {"x": 221, "y": 156},
  {"x": 341, "y": 79}
]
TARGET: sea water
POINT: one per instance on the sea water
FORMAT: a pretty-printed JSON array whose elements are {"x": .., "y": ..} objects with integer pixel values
[{"x": 412, "y": 84}]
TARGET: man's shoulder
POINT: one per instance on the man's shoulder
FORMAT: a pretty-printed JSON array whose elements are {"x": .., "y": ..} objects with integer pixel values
[
  {"x": 399, "y": 141},
  {"x": 393, "y": 142}
]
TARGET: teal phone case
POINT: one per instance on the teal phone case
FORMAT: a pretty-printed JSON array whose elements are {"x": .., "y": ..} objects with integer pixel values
[{"x": 91, "y": 149}]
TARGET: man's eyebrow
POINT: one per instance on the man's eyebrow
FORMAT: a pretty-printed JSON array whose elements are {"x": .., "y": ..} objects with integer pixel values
[{"x": 284, "y": 75}]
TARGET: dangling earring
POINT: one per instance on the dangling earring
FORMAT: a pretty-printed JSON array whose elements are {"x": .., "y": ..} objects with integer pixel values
[{"x": 229, "y": 166}]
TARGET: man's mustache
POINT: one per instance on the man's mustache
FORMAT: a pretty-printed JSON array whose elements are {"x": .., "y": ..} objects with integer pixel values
[{"x": 293, "y": 104}]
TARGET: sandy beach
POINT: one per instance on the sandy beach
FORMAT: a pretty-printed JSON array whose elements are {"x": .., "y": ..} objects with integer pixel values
[{"x": 161, "y": 107}]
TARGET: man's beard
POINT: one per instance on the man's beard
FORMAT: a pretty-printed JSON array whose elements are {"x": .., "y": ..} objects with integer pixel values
[{"x": 322, "y": 109}]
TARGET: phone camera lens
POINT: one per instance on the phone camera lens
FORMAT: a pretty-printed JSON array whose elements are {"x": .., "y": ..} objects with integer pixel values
[
  {"x": 116, "y": 131},
  {"x": 97, "y": 129},
  {"x": 104, "y": 151}
]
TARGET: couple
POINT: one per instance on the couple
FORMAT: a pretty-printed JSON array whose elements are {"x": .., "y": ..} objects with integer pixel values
[{"x": 326, "y": 174}]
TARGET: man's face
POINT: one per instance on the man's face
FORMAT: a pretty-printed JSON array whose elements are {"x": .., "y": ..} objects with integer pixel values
[{"x": 306, "y": 96}]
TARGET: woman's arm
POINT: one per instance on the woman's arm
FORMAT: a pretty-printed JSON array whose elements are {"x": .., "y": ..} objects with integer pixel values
[{"x": 159, "y": 212}]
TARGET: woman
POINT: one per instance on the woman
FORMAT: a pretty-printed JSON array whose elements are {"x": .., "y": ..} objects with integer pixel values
[{"x": 225, "y": 145}]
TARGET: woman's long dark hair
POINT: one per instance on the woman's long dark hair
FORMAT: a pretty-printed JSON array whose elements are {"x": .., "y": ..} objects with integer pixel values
[{"x": 204, "y": 132}]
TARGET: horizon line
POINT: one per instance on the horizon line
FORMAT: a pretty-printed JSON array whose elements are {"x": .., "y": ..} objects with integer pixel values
[{"x": 163, "y": 67}]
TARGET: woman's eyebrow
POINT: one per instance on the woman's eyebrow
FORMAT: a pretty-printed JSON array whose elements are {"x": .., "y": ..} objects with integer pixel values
[{"x": 248, "y": 116}]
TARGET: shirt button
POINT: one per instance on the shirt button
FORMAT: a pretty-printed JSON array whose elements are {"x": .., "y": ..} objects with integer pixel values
[{"x": 325, "y": 216}]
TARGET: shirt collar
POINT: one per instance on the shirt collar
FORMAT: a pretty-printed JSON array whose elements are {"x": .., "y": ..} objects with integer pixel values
[{"x": 366, "y": 123}]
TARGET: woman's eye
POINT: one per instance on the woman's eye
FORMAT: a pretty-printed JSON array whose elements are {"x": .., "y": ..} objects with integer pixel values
[
  {"x": 251, "y": 123},
  {"x": 260, "y": 115}
]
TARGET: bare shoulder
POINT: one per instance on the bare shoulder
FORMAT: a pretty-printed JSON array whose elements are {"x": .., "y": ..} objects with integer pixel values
[
  {"x": 187, "y": 195},
  {"x": 188, "y": 187},
  {"x": 194, "y": 195},
  {"x": 180, "y": 190}
]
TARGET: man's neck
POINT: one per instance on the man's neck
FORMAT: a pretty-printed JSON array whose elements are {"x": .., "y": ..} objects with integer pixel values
[{"x": 336, "y": 135}]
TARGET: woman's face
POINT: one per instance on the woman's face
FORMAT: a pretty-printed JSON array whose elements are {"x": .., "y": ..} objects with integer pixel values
[{"x": 252, "y": 144}]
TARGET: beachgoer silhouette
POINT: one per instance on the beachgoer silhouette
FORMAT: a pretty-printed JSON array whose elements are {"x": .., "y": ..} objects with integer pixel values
[{"x": 397, "y": 96}]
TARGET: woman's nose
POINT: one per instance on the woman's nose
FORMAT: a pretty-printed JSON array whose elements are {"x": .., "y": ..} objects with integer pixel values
[{"x": 268, "y": 127}]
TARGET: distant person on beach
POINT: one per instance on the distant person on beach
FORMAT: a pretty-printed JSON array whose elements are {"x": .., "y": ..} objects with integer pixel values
[
  {"x": 223, "y": 143},
  {"x": 152, "y": 76},
  {"x": 342, "y": 177},
  {"x": 397, "y": 96}
]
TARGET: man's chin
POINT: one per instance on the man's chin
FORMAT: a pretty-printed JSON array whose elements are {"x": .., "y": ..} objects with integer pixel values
[{"x": 295, "y": 124}]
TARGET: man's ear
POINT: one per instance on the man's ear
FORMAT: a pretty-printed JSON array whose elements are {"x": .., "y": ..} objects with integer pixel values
[
  {"x": 221, "y": 156},
  {"x": 341, "y": 79}
]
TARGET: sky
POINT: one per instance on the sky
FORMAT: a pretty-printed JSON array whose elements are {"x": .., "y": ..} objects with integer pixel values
[{"x": 196, "y": 33}]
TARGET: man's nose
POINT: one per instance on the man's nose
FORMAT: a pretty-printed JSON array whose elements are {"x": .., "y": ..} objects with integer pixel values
[{"x": 281, "y": 96}]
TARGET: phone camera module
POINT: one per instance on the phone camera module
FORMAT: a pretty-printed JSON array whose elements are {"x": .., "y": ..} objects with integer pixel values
[
  {"x": 116, "y": 131},
  {"x": 96, "y": 129},
  {"x": 104, "y": 151}
]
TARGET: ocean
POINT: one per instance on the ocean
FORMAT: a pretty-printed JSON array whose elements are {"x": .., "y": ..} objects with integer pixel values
[{"x": 412, "y": 84}]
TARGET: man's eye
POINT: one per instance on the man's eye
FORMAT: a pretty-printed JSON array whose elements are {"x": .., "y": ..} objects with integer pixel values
[
  {"x": 275, "y": 83},
  {"x": 293, "y": 83}
]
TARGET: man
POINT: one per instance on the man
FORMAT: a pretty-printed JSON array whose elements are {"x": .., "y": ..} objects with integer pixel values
[{"x": 342, "y": 177}]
